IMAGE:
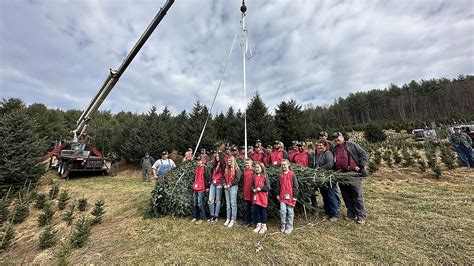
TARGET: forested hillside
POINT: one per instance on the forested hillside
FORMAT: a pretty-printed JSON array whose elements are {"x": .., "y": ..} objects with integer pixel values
[{"x": 416, "y": 104}]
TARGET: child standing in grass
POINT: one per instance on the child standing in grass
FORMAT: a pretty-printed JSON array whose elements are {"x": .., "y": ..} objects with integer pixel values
[
  {"x": 248, "y": 194},
  {"x": 287, "y": 192},
  {"x": 215, "y": 191},
  {"x": 231, "y": 186},
  {"x": 199, "y": 187},
  {"x": 260, "y": 188}
]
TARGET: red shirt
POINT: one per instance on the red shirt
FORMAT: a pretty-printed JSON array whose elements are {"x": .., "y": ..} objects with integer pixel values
[
  {"x": 198, "y": 185},
  {"x": 286, "y": 188},
  {"x": 344, "y": 161},
  {"x": 260, "y": 197},
  {"x": 266, "y": 160},
  {"x": 292, "y": 155},
  {"x": 229, "y": 177},
  {"x": 248, "y": 176},
  {"x": 217, "y": 175},
  {"x": 302, "y": 158},
  {"x": 257, "y": 156},
  {"x": 276, "y": 157}
]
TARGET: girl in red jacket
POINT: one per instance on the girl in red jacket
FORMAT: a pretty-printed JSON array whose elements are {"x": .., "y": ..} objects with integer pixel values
[
  {"x": 287, "y": 193},
  {"x": 199, "y": 187},
  {"x": 216, "y": 187},
  {"x": 231, "y": 186},
  {"x": 248, "y": 194},
  {"x": 260, "y": 188}
]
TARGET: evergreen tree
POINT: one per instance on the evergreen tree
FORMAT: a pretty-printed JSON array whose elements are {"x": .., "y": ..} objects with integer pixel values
[
  {"x": 290, "y": 122},
  {"x": 82, "y": 204},
  {"x": 48, "y": 237},
  {"x": 98, "y": 211},
  {"x": 21, "y": 148},
  {"x": 21, "y": 210},
  {"x": 407, "y": 158},
  {"x": 46, "y": 217},
  {"x": 81, "y": 233},
  {"x": 7, "y": 234},
  {"x": 447, "y": 157},
  {"x": 53, "y": 191},
  {"x": 40, "y": 201},
  {"x": 69, "y": 215},
  {"x": 197, "y": 119},
  {"x": 396, "y": 157},
  {"x": 260, "y": 123},
  {"x": 63, "y": 199},
  {"x": 179, "y": 126},
  {"x": 373, "y": 133}
]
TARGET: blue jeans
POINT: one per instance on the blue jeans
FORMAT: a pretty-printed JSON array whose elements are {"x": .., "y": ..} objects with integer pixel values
[
  {"x": 287, "y": 214},
  {"x": 215, "y": 196},
  {"x": 198, "y": 206},
  {"x": 465, "y": 155},
  {"x": 331, "y": 205},
  {"x": 231, "y": 202}
]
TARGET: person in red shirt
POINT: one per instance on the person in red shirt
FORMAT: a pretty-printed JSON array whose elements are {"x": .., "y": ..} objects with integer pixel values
[
  {"x": 242, "y": 152},
  {"x": 287, "y": 192},
  {"x": 293, "y": 152},
  {"x": 350, "y": 157},
  {"x": 260, "y": 188},
  {"x": 258, "y": 152},
  {"x": 201, "y": 178},
  {"x": 278, "y": 154},
  {"x": 302, "y": 158},
  {"x": 231, "y": 185},
  {"x": 267, "y": 156},
  {"x": 247, "y": 193},
  {"x": 216, "y": 187}
]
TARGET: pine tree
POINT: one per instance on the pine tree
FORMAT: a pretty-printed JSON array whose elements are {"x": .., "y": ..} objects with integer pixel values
[
  {"x": 40, "y": 201},
  {"x": 63, "y": 199},
  {"x": 82, "y": 204},
  {"x": 407, "y": 158},
  {"x": 53, "y": 191},
  {"x": 396, "y": 157},
  {"x": 290, "y": 122},
  {"x": 447, "y": 157},
  {"x": 21, "y": 148},
  {"x": 69, "y": 215},
  {"x": 260, "y": 123},
  {"x": 46, "y": 217},
  {"x": 21, "y": 211},
  {"x": 48, "y": 237},
  {"x": 4, "y": 204},
  {"x": 7, "y": 233},
  {"x": 387, "y": 157},
  {"x": 372, "y": 167},
  {"x": 421, "y": 165},
  {"x": 81, "y": 232},
  {"x": 377, "y": 157},
  {"x": 373, "y": 133},
  {"x": 98, "y": 211}
]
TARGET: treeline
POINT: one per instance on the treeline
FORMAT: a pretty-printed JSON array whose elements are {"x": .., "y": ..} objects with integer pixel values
[
  {"x": 434, "y": 99},
  {"x": 417, "y": 104}
]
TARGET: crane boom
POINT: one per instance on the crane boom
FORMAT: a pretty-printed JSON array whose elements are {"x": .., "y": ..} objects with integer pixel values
[{"x": 114, "y": 75}]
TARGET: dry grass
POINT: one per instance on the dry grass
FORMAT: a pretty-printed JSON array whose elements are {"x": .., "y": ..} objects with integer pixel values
[{"x": 411, "y": 219}]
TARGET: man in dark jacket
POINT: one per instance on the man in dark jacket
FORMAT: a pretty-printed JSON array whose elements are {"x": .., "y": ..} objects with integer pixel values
[{"x": 350, "y": 157}]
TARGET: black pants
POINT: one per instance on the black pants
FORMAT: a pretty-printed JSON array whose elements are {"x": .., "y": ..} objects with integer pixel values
[
  {"x": 248, "y": 219},
  {"x": 260, "y": 214},
  {"x": 353, "y": 197}
]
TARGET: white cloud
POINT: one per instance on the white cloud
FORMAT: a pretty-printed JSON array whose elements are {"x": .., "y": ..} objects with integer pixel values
[{"x": 59, "y": 52}]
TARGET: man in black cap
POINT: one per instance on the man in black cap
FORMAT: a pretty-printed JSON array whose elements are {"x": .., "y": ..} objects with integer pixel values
[
  {"x": 146, "y": 162},
  {"x": 350, "y": 157},
  {"x": 278, "y": 154},
  {"x": 323, "y": 138},
  {"x": 162, "y": 166}
]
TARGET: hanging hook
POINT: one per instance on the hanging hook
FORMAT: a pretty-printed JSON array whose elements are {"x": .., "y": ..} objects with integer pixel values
[{"x": 243, "y": 7}]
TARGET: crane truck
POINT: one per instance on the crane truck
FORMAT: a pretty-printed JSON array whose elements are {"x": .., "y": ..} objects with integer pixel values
[{"x": 78, "y": 155}]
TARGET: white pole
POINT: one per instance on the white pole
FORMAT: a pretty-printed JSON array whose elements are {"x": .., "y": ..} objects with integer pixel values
[{"x": 244, "y": 48}]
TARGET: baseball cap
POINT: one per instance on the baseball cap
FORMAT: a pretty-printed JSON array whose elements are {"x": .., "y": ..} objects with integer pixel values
[
  {"x": 164, "y": 153},
  {"x": 337, "y": 134},
  {"x": 323, "y": 134}
]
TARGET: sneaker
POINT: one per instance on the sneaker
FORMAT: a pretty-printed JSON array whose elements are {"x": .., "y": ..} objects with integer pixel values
[
  {"x": 263, "y": 230},
  {"x": 210, "y": 219},
  {"x": 334, "y": 219},
  {"x": 193, "y": 220},
  {"x": 361, "y": 221},
  {"x": 257, "y": 229},
  {"x": 232, "y": 222},
  {"x": 347, "y": 218},
  {"x": 227, "y": 222},
  {"x": 214, "y": 220},
  {"x": 199, "y": 222},
  {"x": 283, "y": 228},
  {"x": 288, "y": 230}
]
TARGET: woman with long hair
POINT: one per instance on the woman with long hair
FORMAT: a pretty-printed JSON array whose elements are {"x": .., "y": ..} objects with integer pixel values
[
  {"x": 215, "y": 189},
  {"x": 231, "y": 186}
]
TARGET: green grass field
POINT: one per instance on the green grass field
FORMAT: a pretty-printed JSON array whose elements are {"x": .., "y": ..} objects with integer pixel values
[{"x": 411, "y": 220}]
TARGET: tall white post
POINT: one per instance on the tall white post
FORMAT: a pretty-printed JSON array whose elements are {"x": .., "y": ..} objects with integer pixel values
[{"x": 244, "y": 48}]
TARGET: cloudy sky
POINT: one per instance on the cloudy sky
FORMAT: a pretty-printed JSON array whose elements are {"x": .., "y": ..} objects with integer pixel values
[{"x": 58, "y": 52}]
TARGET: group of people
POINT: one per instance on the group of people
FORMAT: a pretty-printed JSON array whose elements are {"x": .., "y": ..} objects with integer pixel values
[
  {"x": 154, "y": 169},
  {"x": 223, "y": 174}
]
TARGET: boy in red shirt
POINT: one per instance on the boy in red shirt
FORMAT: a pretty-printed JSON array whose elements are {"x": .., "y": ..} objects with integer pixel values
[{"x": 201, "y": 178}]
